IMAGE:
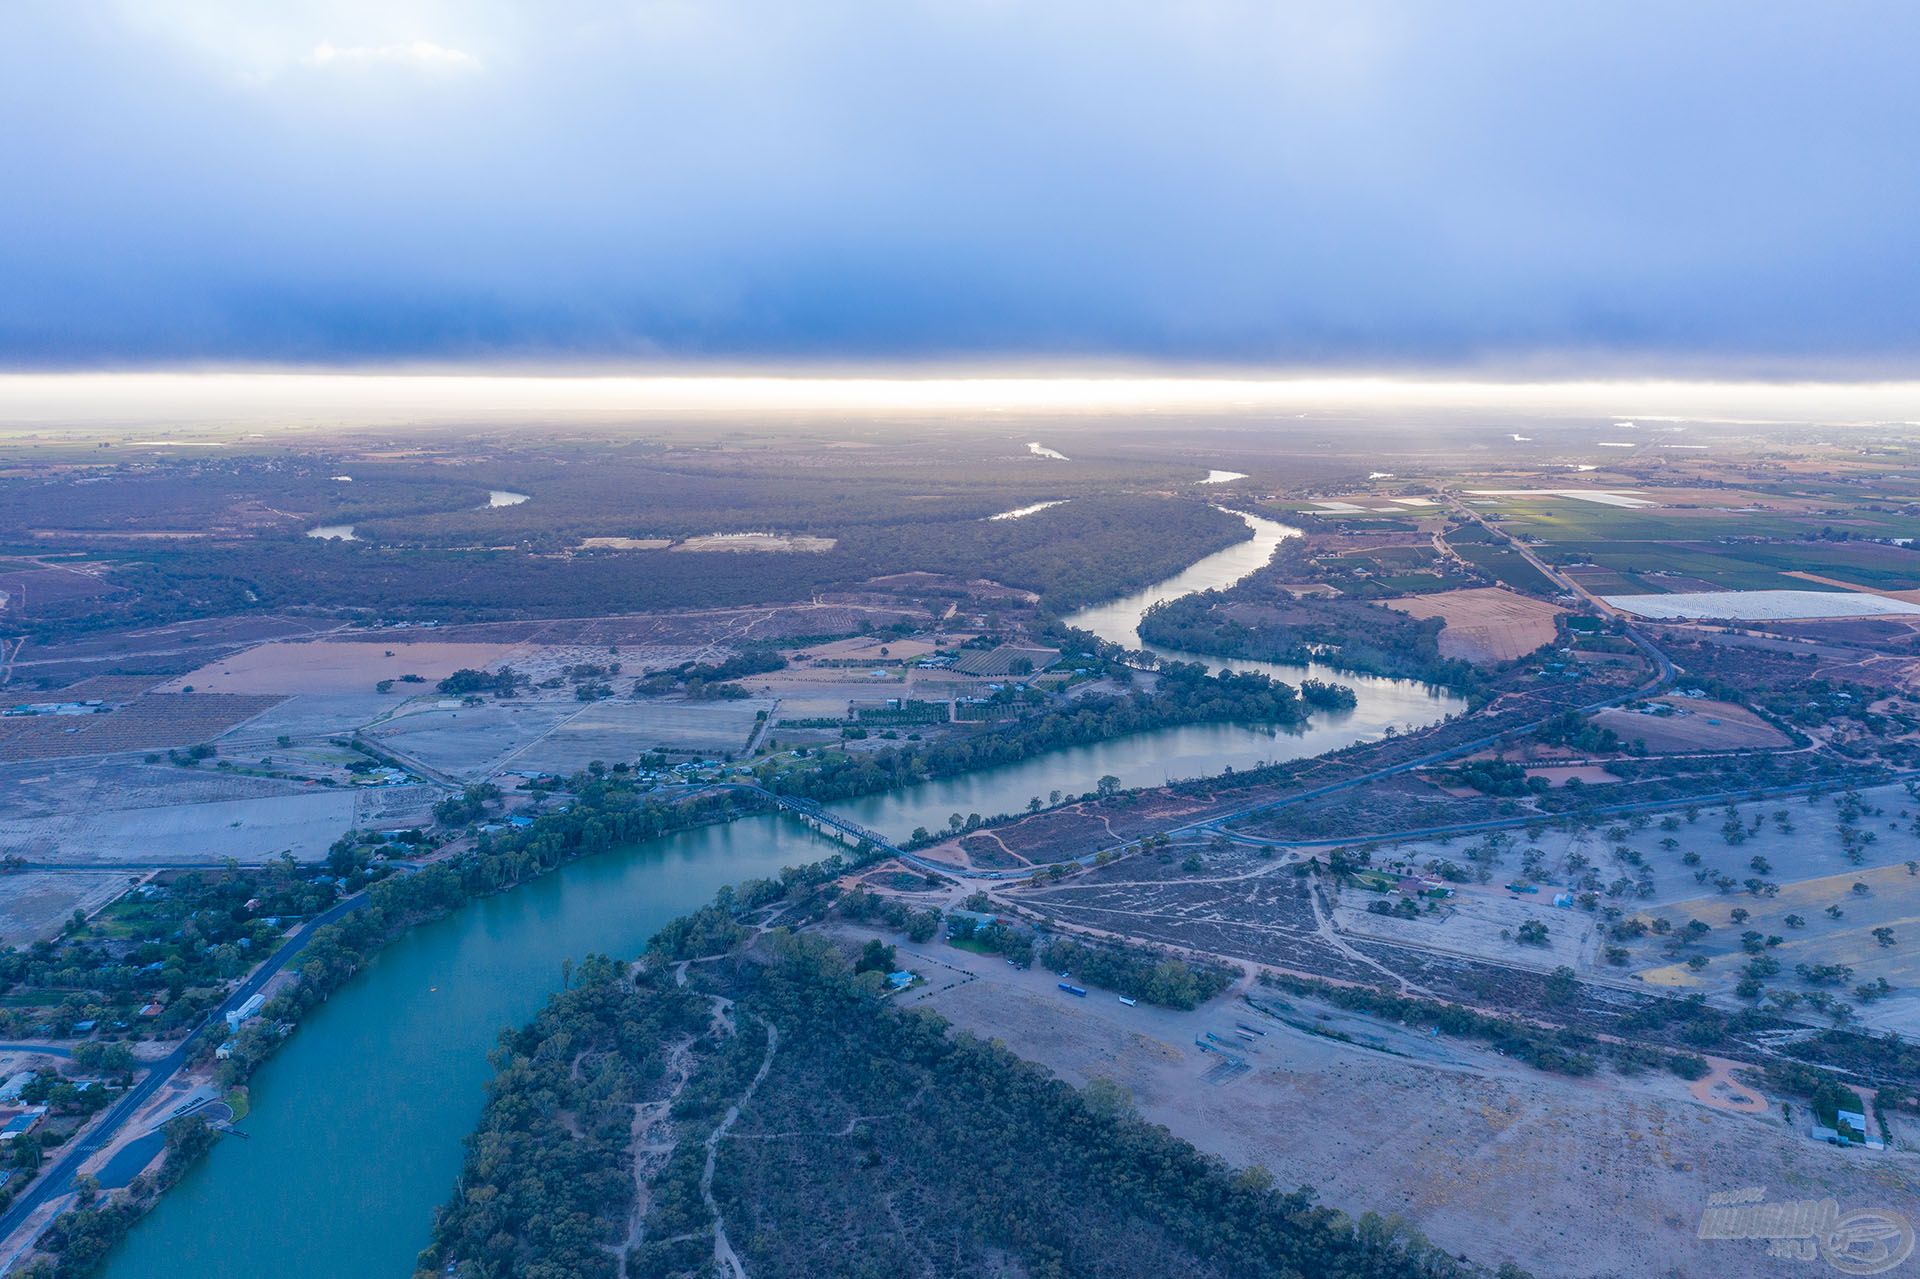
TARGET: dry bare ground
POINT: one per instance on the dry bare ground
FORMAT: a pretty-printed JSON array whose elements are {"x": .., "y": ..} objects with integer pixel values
[
  {"x": 35, "y": 904},
  {"x": 1693, "y": 725},
  {"x": 156, "y": 721},
  {"x": 336, "y": 666},
  {"x": 1582, "y": 1179},
  {"x": 1485, "y": 624}
]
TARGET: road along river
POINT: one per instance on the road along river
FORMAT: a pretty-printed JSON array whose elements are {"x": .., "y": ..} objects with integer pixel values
[{"x": 355, "y": 1133}]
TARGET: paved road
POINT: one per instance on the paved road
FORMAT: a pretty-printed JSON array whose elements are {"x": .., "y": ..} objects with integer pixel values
[{"x": 58, "y": 1179}]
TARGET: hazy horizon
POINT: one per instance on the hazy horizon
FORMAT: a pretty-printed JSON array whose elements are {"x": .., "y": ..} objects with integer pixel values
[{"x": 345, "y": 397}]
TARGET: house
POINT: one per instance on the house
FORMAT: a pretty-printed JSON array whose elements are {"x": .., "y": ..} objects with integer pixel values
[
  {"x": 901, "y": 980},
  {"x": 10, "y": 1091},
  {"x": 978, "y": 919},
  {"x": 1853, "y": 1121},
  {"x": 23, "y": 1123}
]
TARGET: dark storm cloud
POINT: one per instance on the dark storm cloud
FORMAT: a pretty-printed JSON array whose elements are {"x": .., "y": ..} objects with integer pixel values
[{"x": 1479, "y": 184}]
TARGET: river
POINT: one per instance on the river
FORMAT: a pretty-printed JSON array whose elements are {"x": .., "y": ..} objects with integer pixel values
[{"x": 356, "y": 1128}]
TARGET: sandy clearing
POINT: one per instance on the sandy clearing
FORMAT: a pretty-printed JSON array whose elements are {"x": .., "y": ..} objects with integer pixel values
[
  {"x": 756, "y": 542},
  {"x": 336, "y": 666},
  {"x": 1485, "y": 624},
  {"x": 625, "y": 543}
]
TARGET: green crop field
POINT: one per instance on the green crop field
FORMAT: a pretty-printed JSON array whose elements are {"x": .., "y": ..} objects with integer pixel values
[
  {"x": 1507, "y": 567},
  {"x": 1753, "y": 566}
]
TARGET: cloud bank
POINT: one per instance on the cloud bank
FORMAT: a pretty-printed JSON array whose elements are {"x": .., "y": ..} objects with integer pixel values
[{"x": 1362, "y": 184}]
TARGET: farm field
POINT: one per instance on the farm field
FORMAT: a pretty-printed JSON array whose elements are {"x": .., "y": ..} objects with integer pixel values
[
  {"x": 1788, "y": 563},
  {"x": 475, "y": 742},
  {"x": 1485, "y": 625},
  {"x": 156, "y": 721},
  {"x": 337, "y": 666},
  {"x": 623, "y": 731},
  {"x": 37, "y": 904},
  {"x": 470, "y": 742},
  {"x": 1508, "y": 567},
  {"x": 1693, "y": 724},
  {"x": 1761, "y": 605},
  {"x": 249, "y": 829},
  {"x": 305, "y": 717}
]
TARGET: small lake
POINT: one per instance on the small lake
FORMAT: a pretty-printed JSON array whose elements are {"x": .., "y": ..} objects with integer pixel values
[
  {"x": 1223, "y": 477},
  {"x": 500, "y": 497},
  {"x": 333, "y": 533}
]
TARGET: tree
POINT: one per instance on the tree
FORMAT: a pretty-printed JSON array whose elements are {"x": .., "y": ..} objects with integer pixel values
[
  {"x": 1884, "y": 936},
  {"x": 1107, "y": 786},
  {"x": 875, "y": 957}
]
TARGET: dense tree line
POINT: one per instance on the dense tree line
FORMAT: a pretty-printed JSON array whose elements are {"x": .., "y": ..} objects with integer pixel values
[
  {"x": 1186, "y": 694},
  {"x": 695, "y": 678},
  {"x": 547, "y": 1184},
  {"x": 1137, "y": 972},
  {"x": 1370, "y": 639},
  {"x": 990, "y": 1162}
]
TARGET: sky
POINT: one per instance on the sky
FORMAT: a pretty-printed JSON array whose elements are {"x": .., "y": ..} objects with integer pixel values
[{"x": 1503, "y": 189}]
